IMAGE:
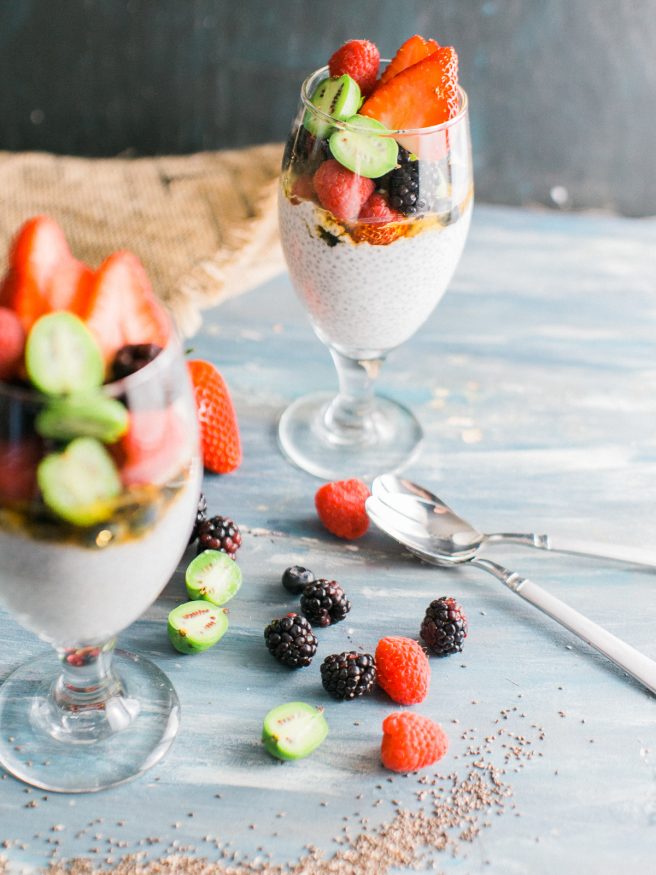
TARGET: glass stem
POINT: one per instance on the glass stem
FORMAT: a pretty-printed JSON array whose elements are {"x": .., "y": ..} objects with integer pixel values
[{"x": 348, "y": 417}]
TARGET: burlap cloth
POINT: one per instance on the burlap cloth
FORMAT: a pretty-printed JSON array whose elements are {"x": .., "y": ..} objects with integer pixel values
[{"x": 204, "y": 225}]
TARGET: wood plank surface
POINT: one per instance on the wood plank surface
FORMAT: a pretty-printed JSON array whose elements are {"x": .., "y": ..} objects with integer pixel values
[{"x": 535, "y": 380}]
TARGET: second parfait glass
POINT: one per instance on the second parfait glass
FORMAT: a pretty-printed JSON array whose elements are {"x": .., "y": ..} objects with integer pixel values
[{"x": 368, "y": 282}]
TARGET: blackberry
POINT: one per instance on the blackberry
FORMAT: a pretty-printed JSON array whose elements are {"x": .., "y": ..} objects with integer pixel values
[
  {"x": 131, "y": 358},
  {"x": 347, "y": 675},
  {"x": 304, "y": 152},
  {"x": 296, "y": 578},
  {"x": 291, "y": 640},
  {"x": 414, "y": 186},
  {"x": 324, "y": 602},
  {"x": 444, "y": 627},
  {"x": 201, "y": 516},
  {"x": 219, "y": 533}
]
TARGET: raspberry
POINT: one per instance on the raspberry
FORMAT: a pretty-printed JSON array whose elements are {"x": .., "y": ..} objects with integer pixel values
[
  {"x": 378, "y": 224},
  {"x": 12, "y": 343},
  {"x": 341, "y": 509},
  {"x": 360, "y": 59},
  {"x": 340, "y": 191},
  {"x": 403, "y": 670},
  {"x": 411, "y": 741},
  {"x": 444, "y": 627}
]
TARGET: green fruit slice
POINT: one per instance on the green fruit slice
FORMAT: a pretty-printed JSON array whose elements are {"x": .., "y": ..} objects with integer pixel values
[
  {"x": 338, "y": 97},
  {"x": 365, "y": 151},
  {"x": 292, "y": 731},
  {"x": 81, "y": 483},
  {"x": 213, "y": 576},
  {"x": 196, "y": 626},
  {"x": 62, "y": 356},
  {"x": 83, "y": 415}
]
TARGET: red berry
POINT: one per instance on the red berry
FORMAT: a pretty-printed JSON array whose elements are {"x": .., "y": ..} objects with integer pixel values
[
  {"x": 360, "y": 59},
  {"x": 411, "y": 741},
  {"x": 403, "y": 670},
  {"x": 378, "y": 223},
  {"x": 411, "y": 52},
  {"x": 302, "y": 188},
  {"x": 12, "y": 343},
  {"x": 341, "y": 509},
  {"x": 219, "y": 430},
  {"x": 340, "y": 191}
]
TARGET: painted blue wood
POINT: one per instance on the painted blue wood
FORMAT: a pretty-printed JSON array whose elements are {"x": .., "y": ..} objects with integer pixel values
[{"x": 536, "y": 382}]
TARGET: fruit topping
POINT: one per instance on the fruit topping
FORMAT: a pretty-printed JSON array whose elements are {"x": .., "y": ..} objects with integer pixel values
[
  {"x": 12, "y": 344},
  {"x": 304, "y": 152},
  {"x": 291, "y": 640},
  {"x": 360, "y": 59},
  {"x": 378, "y": 224},
  {"x": 156, "y": 444},
  {"x": 122, "y": 308},
  {"x": 413, "y": 50},
  {"x": 196, "y": 626},
  {"x": 416, "y": 186},
  {"x": 364, "y": 147},
  {"x": 89, "y": 414},
  {"x": 43, "y": 275},
  {"x": 212, "y": 576},
  {"x": 324, "y": 602},
  {"x": 131, "y": 358},
  {"x": 347, "y": 675},
  {"x": 296, "y": 578},
  {"x": 403, "y": 670},
  {"x": 420, "y": 96},
  {"x": 411, "y": 741},
  {"x": 201, "y": 516},
  {"x": 341, "y": 507},
  {"x": 292, "y": 731},
  {"x": 61, "y": 355},
  {"x": 338, "y": 97},
  {"x": 444, "y": 627},
  {"x": 219, "y": 533},
  {"x": 18, "y": 463},
  {"x": 219, "y": 430},
  {"x": 80, "y": 483},
  {"x": 340, "y": 191}
]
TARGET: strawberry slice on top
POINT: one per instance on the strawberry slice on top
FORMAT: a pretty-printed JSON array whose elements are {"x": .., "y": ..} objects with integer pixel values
[
  {"x": 413, "y": 50},
  {"x": 122, "y": 308},
  {"x": 420, "y": 96}
]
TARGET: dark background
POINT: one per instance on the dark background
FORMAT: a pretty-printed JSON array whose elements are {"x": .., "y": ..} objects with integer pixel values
[{"x": 563, "y": 92}]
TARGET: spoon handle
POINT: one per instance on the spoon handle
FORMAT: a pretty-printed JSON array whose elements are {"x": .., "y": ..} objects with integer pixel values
[
  {"x": 623, "y": 655},
  {"x": 614, "y": 552}
]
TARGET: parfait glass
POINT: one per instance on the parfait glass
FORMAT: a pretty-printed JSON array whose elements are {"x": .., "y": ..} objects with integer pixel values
[
  {"x": 368, "y": 282},
  {"x": 85, "y": 716}
]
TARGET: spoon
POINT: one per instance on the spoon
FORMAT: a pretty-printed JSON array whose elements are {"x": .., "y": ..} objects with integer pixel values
[
  {"x": 452, "y": 535},
  {"x": 412, "y": 535}
]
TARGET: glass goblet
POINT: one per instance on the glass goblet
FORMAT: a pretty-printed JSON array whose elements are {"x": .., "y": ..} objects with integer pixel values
[
  {"x": 368, "y": 282},
  {"x": 85, "y": 716}
]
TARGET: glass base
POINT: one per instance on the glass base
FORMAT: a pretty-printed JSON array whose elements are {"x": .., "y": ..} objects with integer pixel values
[
  {"x": 390, "y": 442},
  {"x": 140, "y": 724}
]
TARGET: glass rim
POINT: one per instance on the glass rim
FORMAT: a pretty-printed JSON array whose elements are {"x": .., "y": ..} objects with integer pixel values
[
  {"x": 306, "y": 93},
  {"x": 114, "y": 388}
]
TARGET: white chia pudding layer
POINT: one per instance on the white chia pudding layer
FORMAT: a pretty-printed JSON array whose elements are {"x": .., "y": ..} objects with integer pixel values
[{"x": 366, "y": 299}]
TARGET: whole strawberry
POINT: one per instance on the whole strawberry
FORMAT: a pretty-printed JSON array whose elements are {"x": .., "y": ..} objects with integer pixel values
[
  {"x": 411, "y": 741},
  {"x": 360, "y": 59},
  {"x": 219, "y": 431},
  {"x": 341, "y": 507}
]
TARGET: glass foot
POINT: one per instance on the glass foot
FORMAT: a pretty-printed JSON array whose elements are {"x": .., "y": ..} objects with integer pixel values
[
  {"x": 141, "y": 721},
  {"x": 390, "y": 441}
]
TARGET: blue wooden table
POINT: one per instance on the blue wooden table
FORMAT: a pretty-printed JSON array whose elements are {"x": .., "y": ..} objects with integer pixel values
[{"x": 535, "y": 380}]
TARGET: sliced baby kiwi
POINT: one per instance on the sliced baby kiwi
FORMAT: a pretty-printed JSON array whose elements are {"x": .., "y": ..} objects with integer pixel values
[
  {"x": 196, "y": 626},
  {"x": 62, "y": 355},
  {"x": 338, "y": 97},
  {"x": 365, "y": 151},
  {"x": 81, "y": 483},
  {"x": 292, "y": 731},
  {"x": 213, "y": 576},
  {"x": 87, "y": 414}
]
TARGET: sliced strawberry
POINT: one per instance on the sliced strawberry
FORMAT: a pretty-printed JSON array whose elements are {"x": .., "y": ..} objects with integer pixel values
[
  {"x": 122, "y": 308},
  {"x": 154, "y": 448},
  {"x": 12, "y": 343},
  {"x": 43, "y": 275},
  {"x": 420, "y": 96},
  {"x": 411, "y": 52}
]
